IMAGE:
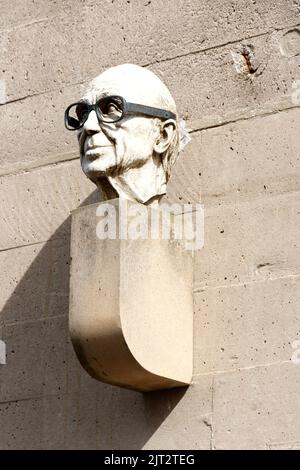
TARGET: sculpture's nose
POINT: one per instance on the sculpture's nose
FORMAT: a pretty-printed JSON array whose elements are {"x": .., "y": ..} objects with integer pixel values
[{"x": 91, "y": 125}]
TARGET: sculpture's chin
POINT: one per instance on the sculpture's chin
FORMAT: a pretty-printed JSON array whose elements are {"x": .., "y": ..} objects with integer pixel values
[
  {"x": 95, "y": 176},
  {"x": 104, "y": 165}
]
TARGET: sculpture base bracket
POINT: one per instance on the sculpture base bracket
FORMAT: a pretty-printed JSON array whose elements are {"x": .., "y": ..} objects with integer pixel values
[{"x": 131, "y": 306}]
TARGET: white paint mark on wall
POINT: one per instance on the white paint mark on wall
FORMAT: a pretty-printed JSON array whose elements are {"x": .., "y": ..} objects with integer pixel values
[
  {"x": 2, "y": 92},
  {"x": 296, "y": 355},
  {"x": 296, "y": 92},
  {"x": 290, "y": 43},
  {"x": 2, "y": 352}
]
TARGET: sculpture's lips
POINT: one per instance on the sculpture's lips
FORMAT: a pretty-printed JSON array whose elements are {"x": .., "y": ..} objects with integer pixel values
[{"x": 93, "y": 151}]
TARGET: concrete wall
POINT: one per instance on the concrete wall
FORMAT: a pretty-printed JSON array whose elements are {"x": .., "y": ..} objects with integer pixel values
[{"x": 243, "y": 164}]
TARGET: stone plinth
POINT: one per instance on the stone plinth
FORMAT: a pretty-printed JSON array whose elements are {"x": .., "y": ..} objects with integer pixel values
[{"x": 131, "y": 306}]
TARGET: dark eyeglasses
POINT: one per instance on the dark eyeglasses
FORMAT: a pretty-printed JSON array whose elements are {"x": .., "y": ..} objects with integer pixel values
[{"x": 109, "y": 109}]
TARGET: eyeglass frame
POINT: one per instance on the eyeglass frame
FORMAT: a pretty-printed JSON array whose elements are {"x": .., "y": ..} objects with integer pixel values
[{"x": 128, "y": 108}]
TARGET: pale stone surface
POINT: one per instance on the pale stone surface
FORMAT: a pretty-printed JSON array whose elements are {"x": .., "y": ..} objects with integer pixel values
[
  {"x": 20, "y": 425},
  {"x": 257, "y": 408},
  {"x": 248, "y": 158},
  {"x": 127, "y": 323},
  {"x": 246, "y": 242},
  {"x": 30, "y": 12},
  {"x": 191, "y": 419},
  {"x": 135, "y": 32},
  {"x": 223, "y": 94},
  {"x": 268, "y": 311},
  {"x": 23, "y": 354},
  {"x": 36, "y": 359},
  {"x": 76, "y": 416},
  {"x": 39, "y": 134},
  {"x": 131, "y": 420},
  {"x": 36, "y": 205},
  {"x": 53, "y": 423},
  {"x": 44, "y": 266}
]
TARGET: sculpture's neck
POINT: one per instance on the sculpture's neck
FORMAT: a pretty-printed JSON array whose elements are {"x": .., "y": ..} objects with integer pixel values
[{"x": 146, "y": 184}]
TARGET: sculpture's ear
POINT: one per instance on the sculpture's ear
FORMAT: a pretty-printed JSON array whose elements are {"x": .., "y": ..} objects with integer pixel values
[{"x": 166, "y": 136}]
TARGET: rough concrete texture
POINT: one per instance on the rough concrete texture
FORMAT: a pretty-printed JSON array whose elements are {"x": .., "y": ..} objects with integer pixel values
[
  {"x": 233, "y": 68},
  {"x": 223, "y": 95},
  {"x": 245, "y": 159},
  {"x": 133, "y": 32}
]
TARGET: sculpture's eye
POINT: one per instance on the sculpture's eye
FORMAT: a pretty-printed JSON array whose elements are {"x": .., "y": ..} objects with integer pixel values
[{"x": 111, "y": 108}]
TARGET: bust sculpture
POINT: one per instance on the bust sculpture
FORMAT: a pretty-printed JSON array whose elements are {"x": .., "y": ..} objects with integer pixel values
[
  {"x": 128, "y": 133},
  {"x": 128, "y": 325}
]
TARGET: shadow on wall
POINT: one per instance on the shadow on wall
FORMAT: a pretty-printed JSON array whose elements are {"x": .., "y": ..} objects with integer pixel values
[{"x": 46, "y": 399}]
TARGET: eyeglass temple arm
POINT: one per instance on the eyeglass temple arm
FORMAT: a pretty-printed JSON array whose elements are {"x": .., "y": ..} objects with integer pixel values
[{"x": 149, "y": 110}]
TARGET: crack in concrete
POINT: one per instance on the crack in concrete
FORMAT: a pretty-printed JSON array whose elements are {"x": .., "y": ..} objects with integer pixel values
[
  {"x": 245, "y": 118},
  {"x": 42, "y": 242},
  {"x": 38, "y": 165},
  {"x": 32, "y": 320},
  {"x": 239, "y": 369},
  {"x": 200, "y": 289},
  {"x": 38, "y": 397},
  {"x": 26, "y": 25},
  {"x": 210, "y": 48}
]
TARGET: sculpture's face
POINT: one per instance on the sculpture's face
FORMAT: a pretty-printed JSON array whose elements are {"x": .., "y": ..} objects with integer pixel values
[
  {"x": 108, "y": 149},
  {"x": 132, "y": 151}
]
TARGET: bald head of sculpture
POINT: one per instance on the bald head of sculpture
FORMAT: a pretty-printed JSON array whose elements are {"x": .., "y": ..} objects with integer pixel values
[{"x": 131, "y": 150}]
